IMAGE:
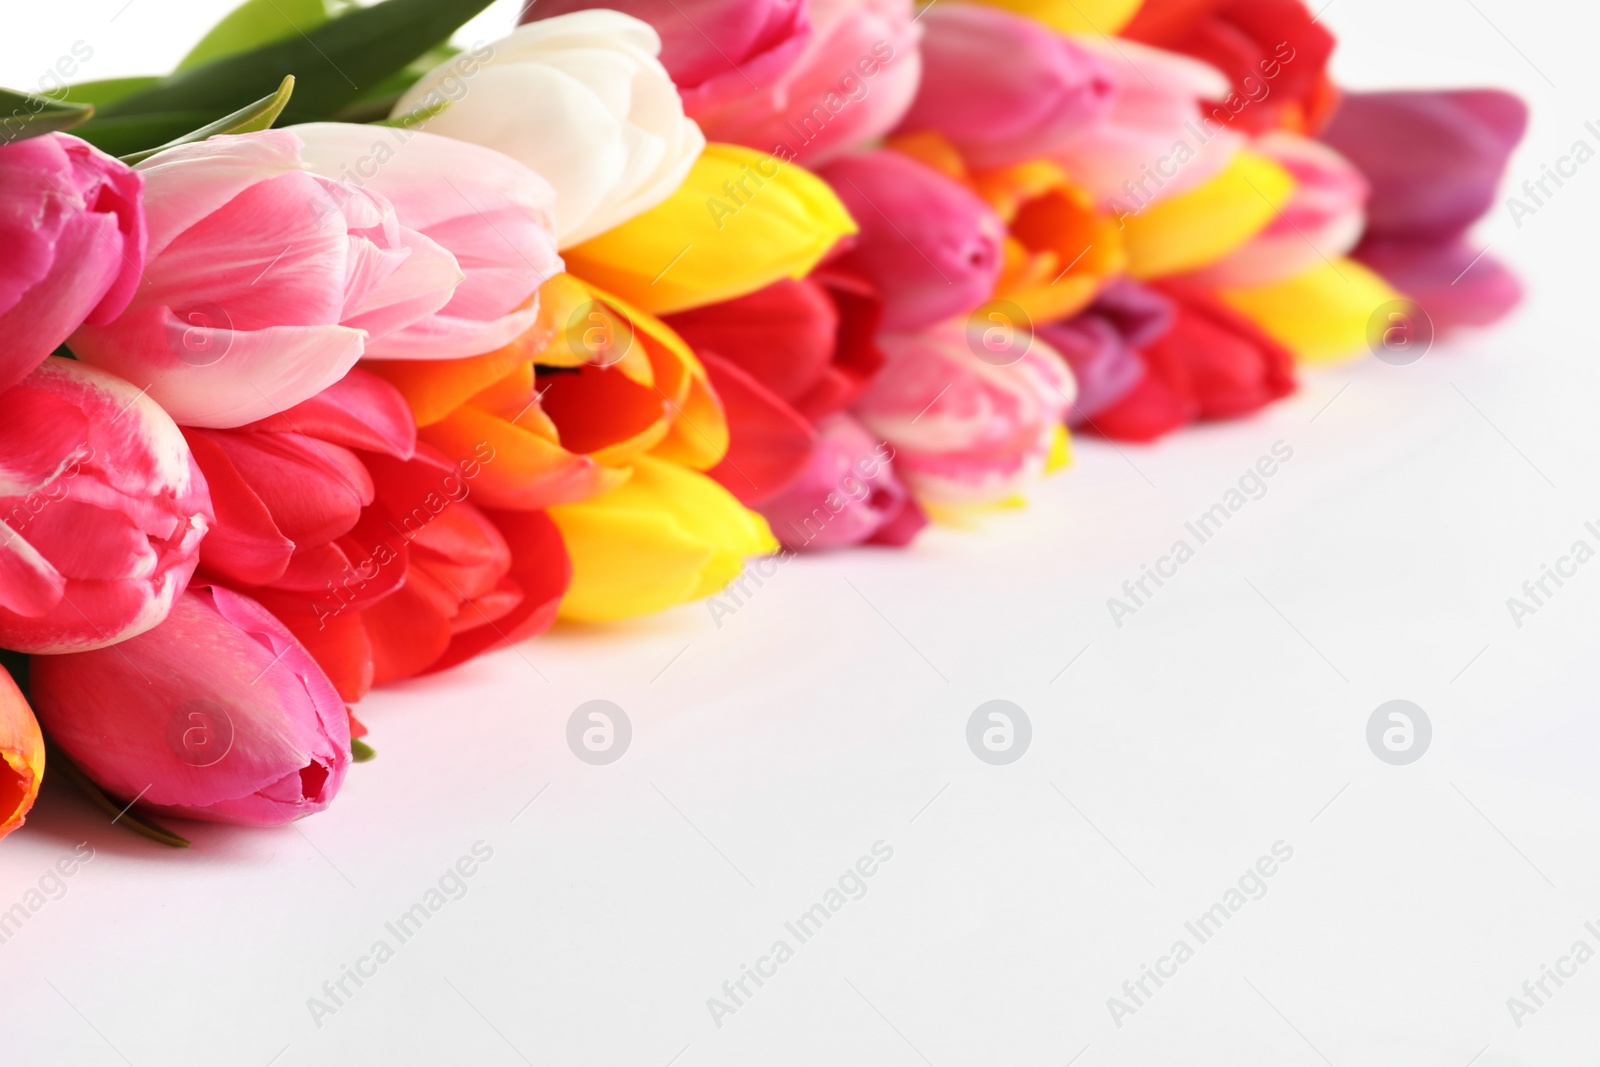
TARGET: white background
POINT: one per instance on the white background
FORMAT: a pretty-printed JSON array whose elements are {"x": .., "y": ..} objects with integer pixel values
[{"x": 829, "y": 713}]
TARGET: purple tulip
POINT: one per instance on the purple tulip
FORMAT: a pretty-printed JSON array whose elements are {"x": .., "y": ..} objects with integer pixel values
[
  {"x": 930, "y": 247},
  {"x": 1103, "y": 341},
  {"x": 1004, "y": 89},
  {"x": 1435, "y": 161}
]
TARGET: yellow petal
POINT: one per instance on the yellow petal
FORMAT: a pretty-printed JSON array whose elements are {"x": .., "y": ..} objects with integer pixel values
[
  {"x": 1322, "y": 315},
  {"x": 1074, "y": 16},
  {"x": 667, "y": 536},
  {"x": 1197, "y": 228},
  {"x": 741, "y": 221},
  {"x": 1060, "y": 451}
]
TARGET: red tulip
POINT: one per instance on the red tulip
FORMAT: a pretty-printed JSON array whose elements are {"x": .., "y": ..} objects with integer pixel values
[
  {"x": 1212, "y": 364},
  {"x": 216, "y": 714},
  {"x": 102, "y": 511},
  {"x": 72, "y": 244}
]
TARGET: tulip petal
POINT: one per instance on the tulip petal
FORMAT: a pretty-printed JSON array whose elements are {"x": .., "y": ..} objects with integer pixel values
[
  {"x": 1197, "y": 228},
  {"x": 1323, "y": 315}
]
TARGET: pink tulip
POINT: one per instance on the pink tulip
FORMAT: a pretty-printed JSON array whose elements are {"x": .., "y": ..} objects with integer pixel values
[
  {"x": 489, "y": 211},
  {"x": 1322, "y": 222},
  {"x": 264, "y": 283},
  {"x": 1435, "y": 161},
  {"x": 216, "y": 714},
  {"x": 852, "y": 84},
  {"x": 102, "y": 511},
  {"x": 1133, "y": 157},
  {"x": 847, "y": 495},
  {"x": 72, "y": 243},
  {"x": 1004, "y": 89},
  {"x": 965, "y": 431},
  {"x": 717, "y": 51},
  {"x": 929, "y": 246}
]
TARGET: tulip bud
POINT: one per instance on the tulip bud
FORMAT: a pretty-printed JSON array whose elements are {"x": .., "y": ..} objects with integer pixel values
[
  {"x": 581, "y": 99},
  {"x": 845, "y": 496},
  {"x": 102, "y": 511},
  {"x": 1102, "y": 344},
  {"x": 264, "y": 283},
  {"x": 1005, "y": 89},
  {"x": 72, "y": 238},
  {"x": 21, "y": 755},
  {"x": 930, "y": 247},
  {"x": 217, "y": 714}
]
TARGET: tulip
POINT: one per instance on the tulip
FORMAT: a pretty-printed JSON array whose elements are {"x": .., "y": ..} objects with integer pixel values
[
  {"x": 852, "y": 84},
  {"x": 217, "y": 714},
  {"x": 489, "y": 211},
  {"x": 264, "y": 283},
  {"x": 72, "y": 241},
  {"x": 1323, "y": 315},
  {"x": 102, "y": 511},
  {"x": 1435, "y": 160},
  {"x": 1158, "y": 141},
  {"x": 1322, "y": 220},
  {"x": 931, "y": 248},
  {"x": 967, "y": 432},
  {"x": 667, "y": 536},
  {"x": 717, "y": 51},
  {"x": 1074, "y": 16},
  {"x": 1211, "y": 364},
  {"x": 1198, "y": 228},
  {"x": 21, "y": 756},
  {"x": 810, "y": 343},
  {"x": 1274, "y": 52},
  {"x": 847, "y": 495},
  {"x": 769, "y": 443},
  {"x": 740, "y": 222},
  {"x": 1004, "y": 89},
  {"x": 583, "y": 100},
  {"x": 1102, "y": 343}
]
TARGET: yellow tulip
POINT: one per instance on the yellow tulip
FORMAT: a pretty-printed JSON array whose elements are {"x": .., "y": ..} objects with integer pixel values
[
  {"x": 667, "y": 536},
  {"x": 741, "y": 221},
  {"x": 1199, "y": 227},
  {"x": 1323, "y": 315},
  {"x": 1074, "y": 16}
]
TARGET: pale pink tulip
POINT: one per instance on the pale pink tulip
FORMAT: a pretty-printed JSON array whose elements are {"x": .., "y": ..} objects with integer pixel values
[
  {"x": 72, "y": 243},
  {"x": 102, "y": 511},
  {"x": 851, "y": 86},
  {"x": 264, "y": 283},
  {"x": 217, "y": 714},
  {"x": 847, "y": 495},
  {"x": 966, "y": 432},
  {"x": 488, "y": 210}
]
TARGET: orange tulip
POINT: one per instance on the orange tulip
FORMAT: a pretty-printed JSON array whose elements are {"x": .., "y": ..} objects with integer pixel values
[{"x": 22, "y": 753}]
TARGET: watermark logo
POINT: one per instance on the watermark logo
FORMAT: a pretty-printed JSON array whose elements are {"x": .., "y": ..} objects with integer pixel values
[
  {"x": 1399, "y": 733},
  {"x": 599, "y": 732},
  {"x": 200, "y": 733},
  {"x": 999, "y": 733},
  {"x": 202, "y": 335},
  {"x": 1400, "y": 332},
  {"x": 597, "y": 335},
  {"x": 1000, "y": 333}
]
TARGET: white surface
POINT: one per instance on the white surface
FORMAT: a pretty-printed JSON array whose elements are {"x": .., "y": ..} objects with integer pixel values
[{"x": 770, "y": 753}]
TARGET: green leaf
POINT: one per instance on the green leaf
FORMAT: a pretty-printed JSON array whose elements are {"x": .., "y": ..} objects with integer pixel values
[
  {"x": 333, "y": 64},
  {"x": 125, "y": 816},
  {"x": 24, "y": 115},
  {"x": 108, "y": 90},
  {"x": 258, "y": 116},
  {"x": 360, "y": 751},
  {"x": 253, "y": 24}
]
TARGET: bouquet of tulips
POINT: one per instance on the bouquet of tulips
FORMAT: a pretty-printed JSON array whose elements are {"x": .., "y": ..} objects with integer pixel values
[{"x": 338, "y": 355}]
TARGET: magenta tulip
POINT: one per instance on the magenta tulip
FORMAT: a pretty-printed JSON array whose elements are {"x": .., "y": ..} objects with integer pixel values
[
  {"x": 847, "y": 495},
  {"x": 102, "y": 511},
  {"x": 264, "y": 283},
  {"x": 1435, "y": 161},
  {"x": 966, "y": 432},
  {"x": 850, "y": 86},
  {"x": 718, "y": 52},
  {"x": 217, "y": 714},
  {"x": 489, "y": 211},
  {"x": 1102, "y": 343},
  {"x": 72, "y": 243},
  {"x": 1004, "y": 89},
  {"x": 929, "y": 246}
]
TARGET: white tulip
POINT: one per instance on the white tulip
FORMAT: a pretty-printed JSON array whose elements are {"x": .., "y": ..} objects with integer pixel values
[{"x": 583, "y": 100}]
